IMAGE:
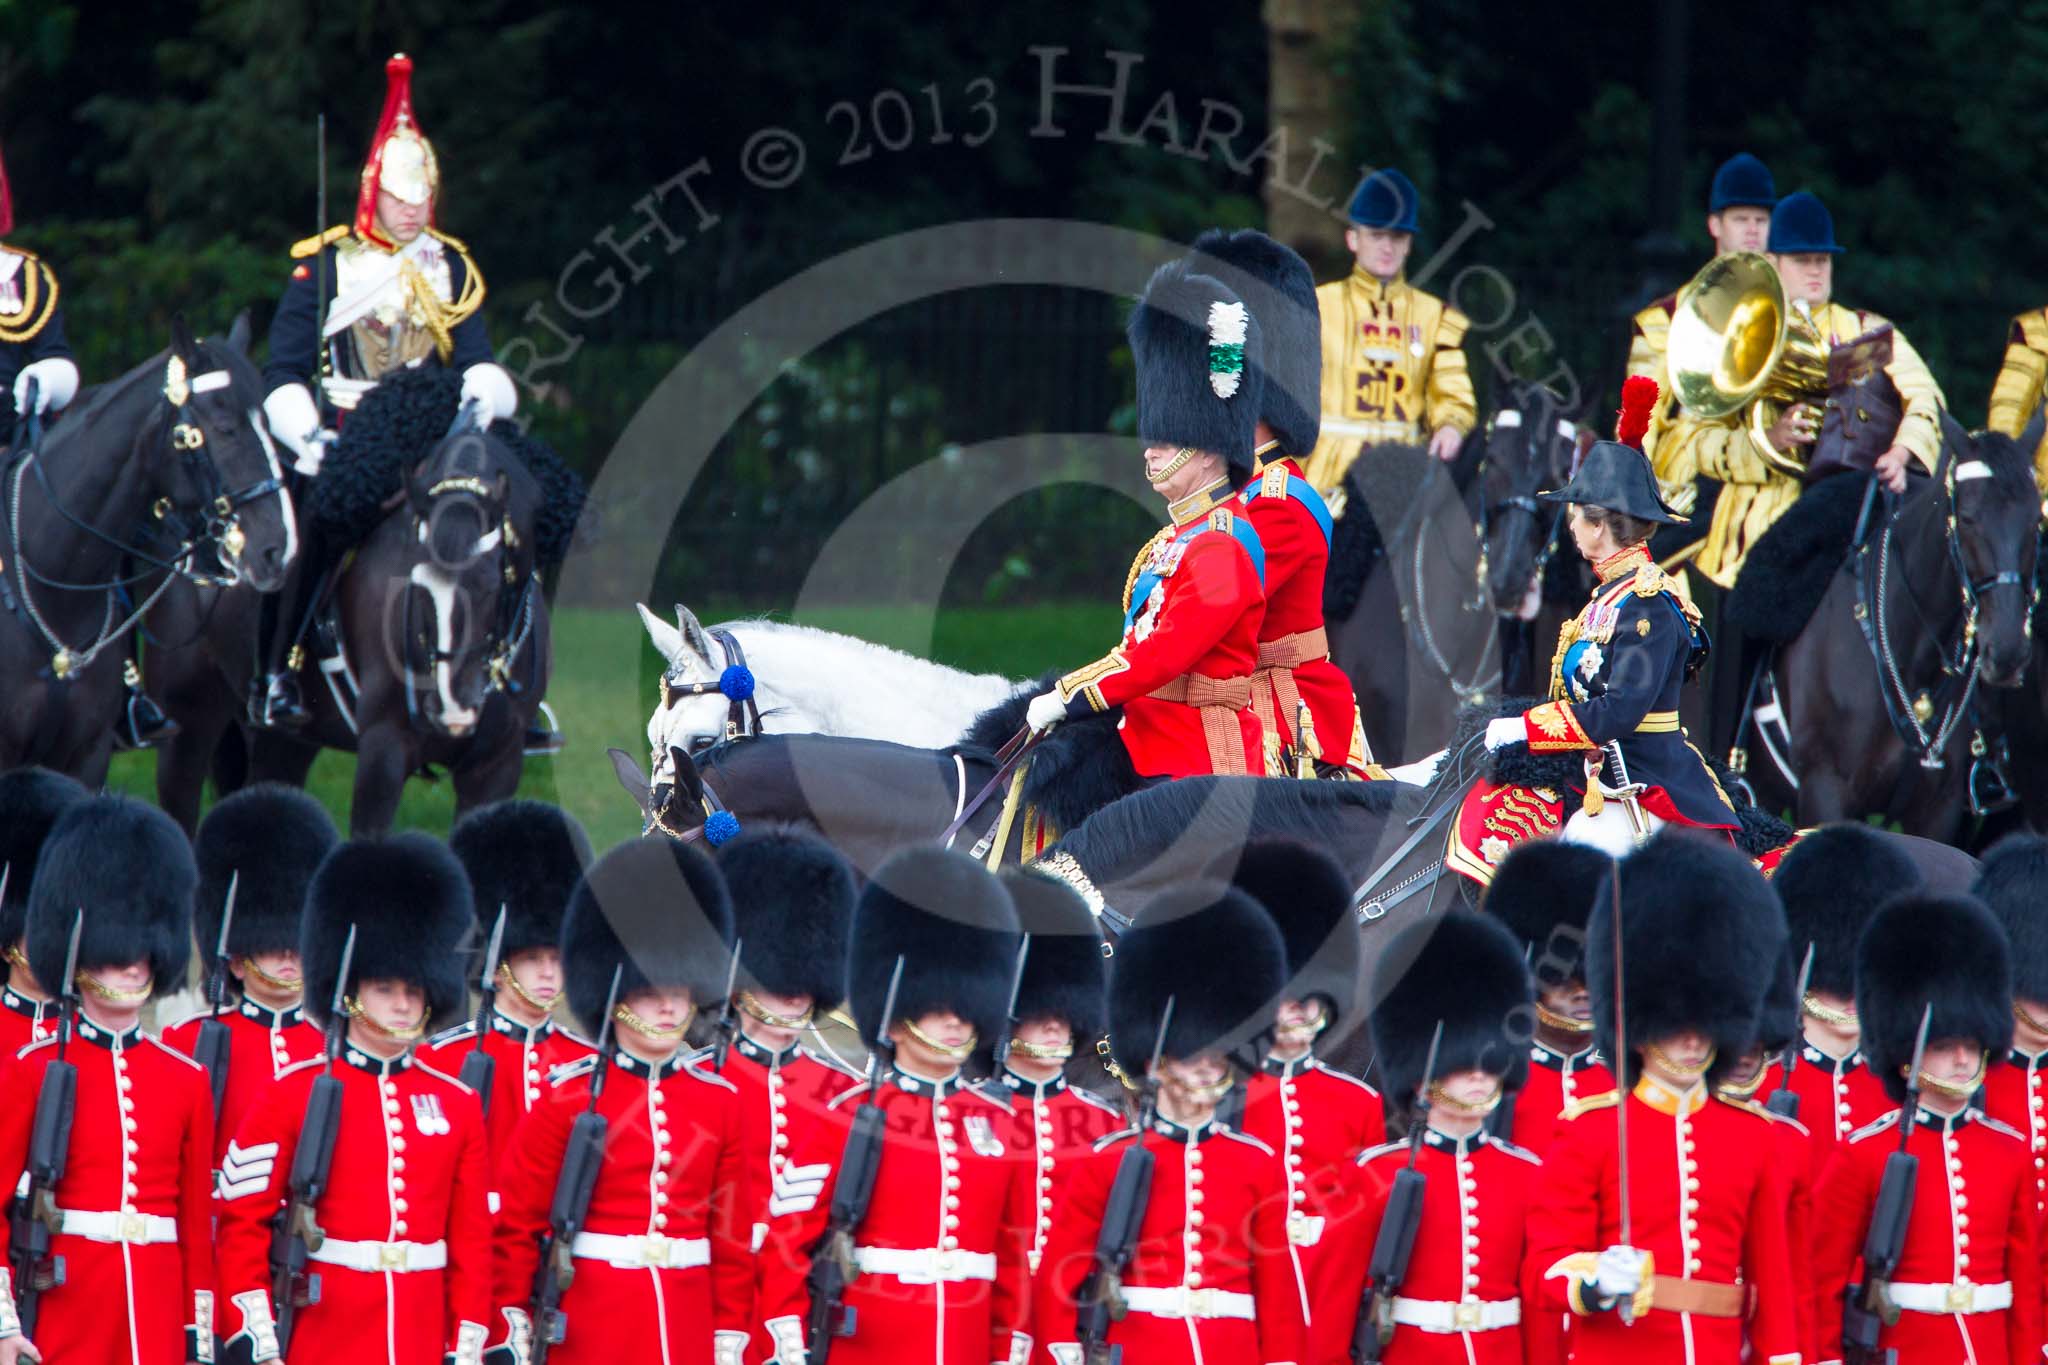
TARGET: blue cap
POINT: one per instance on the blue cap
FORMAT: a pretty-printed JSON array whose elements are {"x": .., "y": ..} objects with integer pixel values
[
  {"x": 1802, "y": 224},
  {"x": 1386, "y": 199},
  {"x": 1742, "y": 180}
]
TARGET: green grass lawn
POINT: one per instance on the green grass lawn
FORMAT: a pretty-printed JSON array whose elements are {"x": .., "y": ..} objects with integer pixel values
[{"x": 604, "y": 687}]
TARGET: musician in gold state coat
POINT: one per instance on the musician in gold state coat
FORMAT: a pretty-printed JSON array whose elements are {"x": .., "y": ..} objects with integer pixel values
[
  {"x": 2022, "y": 383},
  {"x": 1393, "y": 364}
]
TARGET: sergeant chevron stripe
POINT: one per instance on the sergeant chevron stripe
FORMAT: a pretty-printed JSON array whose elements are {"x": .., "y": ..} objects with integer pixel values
[{"x": 246, "y": 1170}]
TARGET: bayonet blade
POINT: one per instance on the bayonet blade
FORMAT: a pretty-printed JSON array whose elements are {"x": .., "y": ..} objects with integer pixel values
[
  {"x": 69, "y": 986},
  {"x": 611, "y": 1008},
  {"x": 338, "y": 1007},
  {"x": 1436, "y": 1042},
  {"x": 1805, "y": 975},
  {"x": 1919, "y": 1048},
  {"x": 227, "y": 916},
  {"x": 732, "y": 973},
  {"x": 1002, "y": 1049},
  {"x": 490, "y": 967}
]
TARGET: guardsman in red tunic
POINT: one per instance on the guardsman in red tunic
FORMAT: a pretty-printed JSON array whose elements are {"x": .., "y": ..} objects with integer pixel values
[
  {"x": 941, "y": 1248},
  {"x": 1318, "y": 1118},
  {"x": 31, "y": 799},
  {"x": 1459, "y": 1301},
  {"x": 1293, "y": 521},
  {"x": 1539, "y": 893},
  {"x": 1702, "y": 1257},
  {"x": 1196, "y": 599},
  {"x": 1968, "y": 1282},
  {"x": 2014, "y": 883},
  {"x": 132, "y": 1254},
  {"x": 523, "y": 857},
  {"x": 266, "y": 841},
  {"x": 1210, "y": 1278},
  {"x": 1830, "y": 883},
  {"x": 1060, "y": 1011},
  {"x": 403, "y": 1273},
  {"x": 664, "y": 1273}
]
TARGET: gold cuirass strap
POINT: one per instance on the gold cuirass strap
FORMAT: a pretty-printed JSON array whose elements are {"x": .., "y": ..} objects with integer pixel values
[
  {"x": 1275, "y": 676},
  {"x": 1218, "y": 700}
]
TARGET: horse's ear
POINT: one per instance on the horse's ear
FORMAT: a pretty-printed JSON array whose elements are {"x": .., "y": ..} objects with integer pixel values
[
  {"x": 183, "y": 344},
  {"x": 1955, "y": 443},
  {"x": 694, "y": 634},
  {"x": 689, "y": 782},
  {"x": 631, "y": 778},
  {"x": 668, "y": 641},
  {"x": 240, "y": 334}
]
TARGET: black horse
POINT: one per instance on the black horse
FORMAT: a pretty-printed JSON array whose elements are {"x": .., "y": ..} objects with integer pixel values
[
  {"x": 1524, "y": 542},
  {"x": 161, "y": 479},
  {"x": 445, "y": 648}
]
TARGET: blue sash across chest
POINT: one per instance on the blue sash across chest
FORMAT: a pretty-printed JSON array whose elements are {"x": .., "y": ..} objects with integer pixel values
[{"x": 1240, "y": 530}]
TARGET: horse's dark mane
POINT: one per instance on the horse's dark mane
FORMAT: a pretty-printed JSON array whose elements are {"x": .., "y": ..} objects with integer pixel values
[
  {"x": 100, "y": 397},
  {"x": 1229, "y": 808}
]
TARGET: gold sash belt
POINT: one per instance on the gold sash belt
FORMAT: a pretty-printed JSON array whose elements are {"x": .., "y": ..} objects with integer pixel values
[{"x": 1218, "y": 700}]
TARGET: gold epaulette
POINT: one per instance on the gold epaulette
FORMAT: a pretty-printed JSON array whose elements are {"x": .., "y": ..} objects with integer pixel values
[
  {"x": 38, "y": 300},
  {"x": 1652, "y": 581},
  {"x": 1606, "y": 1099},
  {"x": 1220, "y": 520},
  {"x": 1273, "y": 483},
  {"x": 311, "y": 246}
]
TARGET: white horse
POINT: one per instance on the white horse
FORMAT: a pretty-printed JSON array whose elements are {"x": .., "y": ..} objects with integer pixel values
[{"x": 811, "y": 681}]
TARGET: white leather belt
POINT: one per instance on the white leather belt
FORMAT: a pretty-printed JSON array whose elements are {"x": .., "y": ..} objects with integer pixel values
[
  {"x": 1437, "y": 1315},
  {"x": 372, "y": 1257},
  {"x": 649, "y": 1252},
  {"x": 1953, "y": 1298},
  {"x": 140, "y": 1229},
  {"x": 925, "y": 1265},
  {"x": 1182, "y": 1302}
]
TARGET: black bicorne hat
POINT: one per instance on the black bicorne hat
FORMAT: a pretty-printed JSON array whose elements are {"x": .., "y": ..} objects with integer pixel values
[{"x": 1618, "y": 478}]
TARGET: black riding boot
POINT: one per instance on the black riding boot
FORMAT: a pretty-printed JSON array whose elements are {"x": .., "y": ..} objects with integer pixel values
[
  {"x": 143, "y": 723},
  {"x": 275, "y": 702}
]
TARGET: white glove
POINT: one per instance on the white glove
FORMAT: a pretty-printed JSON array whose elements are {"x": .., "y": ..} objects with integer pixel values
[
  {"x": 728, "y": 1348},
  {"x": 1505, "y": 731},
  {"x": 1421, "y": 772},
  {"x": 56, "y": 383},
  {"x": 492, "y": 389},
  {"x": 294, "y": 422},
  {"x": 1045, "y": 711},
  {"x": 1619, "y": 1274}
]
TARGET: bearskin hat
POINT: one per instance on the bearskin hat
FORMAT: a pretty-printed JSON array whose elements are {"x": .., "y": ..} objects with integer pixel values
[
  {"x": 1213, "y": 951},
  {"x": 1542, "y": 892},
  {"x": 408, "y": 900},
  {"x": 1281, "y": 290},
  {"x": 1778, "y": 1019},
  {"x": 656, "y": 910},
  {"x": 31, "y": 799},
  {"x": 2014, "y": 884},
  {"x": 527, "y": 857},
  {"x": 792, "y": 905},
  {"x": 1949, "y": 952},
  {"x": 1065, "y": 974},
  {"x": 129, "y": 867},
  {"x": 1308, "y": 894},
  {"x": 952, "y": 923},
  {"x": 1461, "y": 968},
  {"x": 1830, "y": 883},
  {"x": 1701, "y": 935},
  {"x": 1196, "y": 347},
  {"x": 267, "y": 841}
]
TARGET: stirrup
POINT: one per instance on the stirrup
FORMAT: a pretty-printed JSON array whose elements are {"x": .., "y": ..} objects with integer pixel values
[
  {"x": 544, "y": 736},
  {"x": 275, "y": 703},
  {"x": 143, "y": 723}
]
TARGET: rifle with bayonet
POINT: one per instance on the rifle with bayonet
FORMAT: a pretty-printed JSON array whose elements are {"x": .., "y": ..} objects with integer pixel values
[
  {"x": 728, "y": 1021},
  {"x": 210, "y": 1049},
  {"x": 581, "y": 1160},
  {"x": 832, "y": 1268},
  {"x": 295, "y": 1236},
  {"x": 1101, "y": 1300},
  {"x": 36, "y": 1216},
  {"x": 1002, "y": 1050},
  {"x": 1868, "y": 1309},
  {"x": 1785, "y": 1100},
  {"x": 1394, "y": 1246},
  {"x": 480, "y": 1068}
]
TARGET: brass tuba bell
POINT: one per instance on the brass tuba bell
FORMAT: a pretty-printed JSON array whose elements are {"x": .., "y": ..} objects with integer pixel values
[{"x": 1735, "y": 344}]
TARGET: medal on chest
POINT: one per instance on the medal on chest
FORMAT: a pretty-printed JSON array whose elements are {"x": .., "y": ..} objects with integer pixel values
[
  {"x": 428, "y": 1118},
  {"x": 981, "y": 1136}
]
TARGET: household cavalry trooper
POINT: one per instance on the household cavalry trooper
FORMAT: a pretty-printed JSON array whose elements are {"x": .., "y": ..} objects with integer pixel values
[
  {"x": 523, "y": 859},
  {"x": 1541, "y": 893},
  {"x": 663, "y": 1271},
  {"x": 31, "y": 800},
  {"x": 2022, "y": 383},
  {"x": 33, "y": 347},
  {"x": 1196, "y": 599},
  {"x": 2014, "y": 884},
  {"x": 1968, "y": 1283},
  {"x": 265, "y": 842},
  {"x": 1318, "y": 1118},
  {"x": 1706, "y": 1273},
  {"x": 385, "y": 290},
  {"x": 130, "y": 1274},
  {"x": 1210, "y": 1275},
  {"x": 1061, "y": 1010},
  {"x": 1830, "y": 883},
  {"x": 939, "y": 1250},
  {"x": 1459, "y": 1300},
  {"x": 402, "y": 1273},
  {"x": 1393, "y": 355},
  {"x": 1296, "y": 687}
]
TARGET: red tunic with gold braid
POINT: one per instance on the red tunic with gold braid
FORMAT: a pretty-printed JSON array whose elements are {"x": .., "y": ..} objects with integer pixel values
[
  {"x": 1706, "y": 1201},
  {"x": 1556, "y": 1081},
  {"x": 2016, "y": 1094},
  {"x": 1183, "y": 674},
  {"x": 262, "y": 1042},
  {"x": 527, "y": 1057},
  {"x": 1294, "y": 649},
  {"x": 1969, "y": 1279},
  {"x": 136, "y": 1242},
  {"x": 1058, "y": 1125}
]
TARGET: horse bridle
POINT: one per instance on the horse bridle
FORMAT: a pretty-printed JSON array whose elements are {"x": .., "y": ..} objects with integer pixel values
[
  {"x": 218, "y": 519},
  {"x": 735, "y": 682},
  {"x": 1526, "y": 502},
  {"x": 513, "y": 622}
]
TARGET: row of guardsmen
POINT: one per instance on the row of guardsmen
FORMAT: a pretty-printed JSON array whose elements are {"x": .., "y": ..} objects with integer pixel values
[{"x": 758, "y": 1201}]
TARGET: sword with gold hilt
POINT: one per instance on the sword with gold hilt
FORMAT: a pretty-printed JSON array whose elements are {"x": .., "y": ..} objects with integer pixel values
[{"x": 1605, "y": 760}]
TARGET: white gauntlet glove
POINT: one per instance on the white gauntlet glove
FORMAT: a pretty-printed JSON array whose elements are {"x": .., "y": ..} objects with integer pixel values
[
  {"x": 294, "y": 422},
  {"x": 492, "y": 389},
  {"x": 1045, "y": 711},
  {"x": 1618, "y": 1275},
  {"x": 1505, "y": 731},
  {"x": 56, "y": 384}
]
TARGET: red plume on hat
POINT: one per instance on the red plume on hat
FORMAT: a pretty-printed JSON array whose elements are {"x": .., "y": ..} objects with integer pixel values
[
  {"x": 1638, "y": 400},
  {"x": 401, "y": 160}
]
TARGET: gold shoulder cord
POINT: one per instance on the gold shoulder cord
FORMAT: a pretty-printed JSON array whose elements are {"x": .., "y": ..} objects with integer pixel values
[{"x": 38, "y": 302}]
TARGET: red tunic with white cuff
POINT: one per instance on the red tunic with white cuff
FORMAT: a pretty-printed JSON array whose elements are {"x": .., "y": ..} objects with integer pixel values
[
  {"x": 1183, "y": 672},
  {"x": 1461, "y": 1300},
  {"x": 136, "y": 1236},
  {"x": 1837, "y": 1096},
  {"x": 664, "y": 1272},
  {"x": 1556, "y": 1081},
  {"x": 1706, "y": 1202},
  {"x": 1210, "y": 1282},
  {"x": 1969, "y": 1279},
  {"x": 1058, "y": 1124},
  {"x": 942, "y": 1250},
  {"x": 1319, "y": 1119},
  {"x": 2016, "y": 1094},
  {"x": 262, "y": 1043},
  {"x": 526, "y": 1058},
  {"x": 405, "y": 1269}
]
